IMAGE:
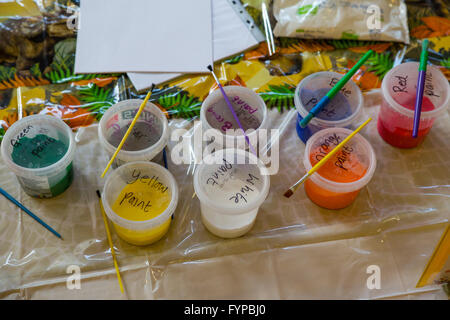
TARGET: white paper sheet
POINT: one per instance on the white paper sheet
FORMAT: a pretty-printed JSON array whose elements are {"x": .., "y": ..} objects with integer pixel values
[
  {"x": 144, "y": 35},
  {"x": 230, "y": 36}
]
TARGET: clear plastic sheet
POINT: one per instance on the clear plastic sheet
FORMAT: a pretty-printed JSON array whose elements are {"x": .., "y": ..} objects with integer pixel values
[
  {"x": 295, "y": 250},
  {"x": 409, "y": 192}
]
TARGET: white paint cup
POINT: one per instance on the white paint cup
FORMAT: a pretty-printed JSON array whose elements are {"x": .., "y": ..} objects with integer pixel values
[{"x": 231, "y": 187}]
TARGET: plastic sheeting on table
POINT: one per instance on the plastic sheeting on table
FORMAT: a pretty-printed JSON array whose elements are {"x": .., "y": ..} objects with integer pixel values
[{"x": 290, "y": 253}]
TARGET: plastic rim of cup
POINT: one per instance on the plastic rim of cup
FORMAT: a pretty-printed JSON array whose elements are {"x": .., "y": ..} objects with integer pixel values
[
  {"x": 410, "y": 113},
  {"x": 213, "y": 95},
  {"x": 146, "y": 224},
  {"x": 328, "y": 123},
  {"x": 144, "y": 154},
  {"x": 341, "y": 187},
  {"x": 229, "y": 210},
  {"x": 40, "y": 120}
]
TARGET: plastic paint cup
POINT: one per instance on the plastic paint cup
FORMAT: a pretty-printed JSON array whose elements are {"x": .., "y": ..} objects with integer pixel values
[
  {"x": 396, "y": 116},
  {"x": 337, "y": 183},
  {"x": 231, "y": 188},
  {"x": 140, "y": 198},
  {"x": 39, "y": 150},
  {"x": 216, "y": 114},
  {"x": 341, "y": 112},
  {"x": 146, "y": 141}
]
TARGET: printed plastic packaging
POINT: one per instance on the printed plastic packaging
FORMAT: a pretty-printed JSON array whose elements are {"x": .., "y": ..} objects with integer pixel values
[
  {"x": 148, "y": 138},
  {"x": 342, "y": 111},
  {"x": 39, "y": 150},
  {"x": 396, "y": 116},
  {"x": 140, "y": 198},
  {"x": 342, "y": 19},
  {"x": 338, "y": 182},
  {"x": 231, "y": 187}
]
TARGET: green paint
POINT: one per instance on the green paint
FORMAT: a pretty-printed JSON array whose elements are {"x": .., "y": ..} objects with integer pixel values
[
  {"x": 308, "y": 9},
  {"x": 349, "y": 35},
  {"x": 38, "y": 152},
  {"x": 424, "y": 56},
  {"x": 57, "y": 184}
]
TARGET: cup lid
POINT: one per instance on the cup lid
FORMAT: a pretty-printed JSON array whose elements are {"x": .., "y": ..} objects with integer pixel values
[
  {"x": 231, "y": 181},
  {"x": 341, "y": 111},
  {"x": 248, "y": 106},
  {"x": 52, "y": 129},
  {"x": 349, "y": 170},
  {"x": 149, "y": 175},
  {"x": 125, "y": 111},
  {"x": 399, "y": 89}
]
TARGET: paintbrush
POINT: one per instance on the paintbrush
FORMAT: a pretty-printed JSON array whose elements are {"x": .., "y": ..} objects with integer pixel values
[
  {"x": 420, "y": 87},
  {"x": 24, "y": 209},
  {"x": 231, "y": 108},
  {"x": 319, "y": 164},
  {"x": 111, "y": 246},
  {"x": 130, "y": 128},
  {"x": 330, "y": 94}
]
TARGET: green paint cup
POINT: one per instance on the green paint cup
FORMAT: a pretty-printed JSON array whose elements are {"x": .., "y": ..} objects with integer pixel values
[{"x": 39, "y": 150}]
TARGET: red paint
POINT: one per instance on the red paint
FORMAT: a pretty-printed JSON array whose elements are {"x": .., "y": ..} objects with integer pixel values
[
  {"x": 396, "y": 128},
  {"x": 409, "y": 102}
]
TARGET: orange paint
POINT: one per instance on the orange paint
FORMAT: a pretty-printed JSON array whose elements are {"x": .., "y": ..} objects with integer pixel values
[{"x": 343, "y": 167}]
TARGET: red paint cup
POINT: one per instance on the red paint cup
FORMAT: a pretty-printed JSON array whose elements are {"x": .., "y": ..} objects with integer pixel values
[{"x": 396, "y": 116}]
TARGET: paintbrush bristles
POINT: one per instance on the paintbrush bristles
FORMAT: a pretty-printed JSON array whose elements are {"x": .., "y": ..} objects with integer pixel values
[
  {"x": 294, "y": 188},
  {"x": 288, "y": 193}
]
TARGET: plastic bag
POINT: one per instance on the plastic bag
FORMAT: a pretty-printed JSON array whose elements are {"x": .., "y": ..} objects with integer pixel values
[{"x": 342, "y": 19}]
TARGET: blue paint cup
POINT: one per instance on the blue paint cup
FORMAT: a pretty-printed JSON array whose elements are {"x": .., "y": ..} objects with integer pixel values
[{"x": 342, "y": 111}]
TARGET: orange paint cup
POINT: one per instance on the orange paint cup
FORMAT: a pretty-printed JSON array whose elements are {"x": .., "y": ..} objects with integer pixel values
[{"x": 338, "y": 182}]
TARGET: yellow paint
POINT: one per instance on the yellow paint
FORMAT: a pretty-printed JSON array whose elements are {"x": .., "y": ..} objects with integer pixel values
[
  {"x": 143, "y": 200},
  {"x": 143, "y": 237}
]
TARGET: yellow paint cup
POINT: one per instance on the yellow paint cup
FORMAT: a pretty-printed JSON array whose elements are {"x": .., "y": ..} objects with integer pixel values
[{"x": 140, "y": 198}]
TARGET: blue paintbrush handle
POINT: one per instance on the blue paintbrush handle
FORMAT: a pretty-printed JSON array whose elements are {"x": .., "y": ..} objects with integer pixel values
[
  {"x": 17, "y": 203},
  {"x": 314, "y": 111}
]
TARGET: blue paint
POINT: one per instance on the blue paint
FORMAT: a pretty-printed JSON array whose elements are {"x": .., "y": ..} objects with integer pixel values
[
  {"x": 305, "y": 133},
  {"x": 314, "y": 111},
  {"x": 337, "y": 109}
]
